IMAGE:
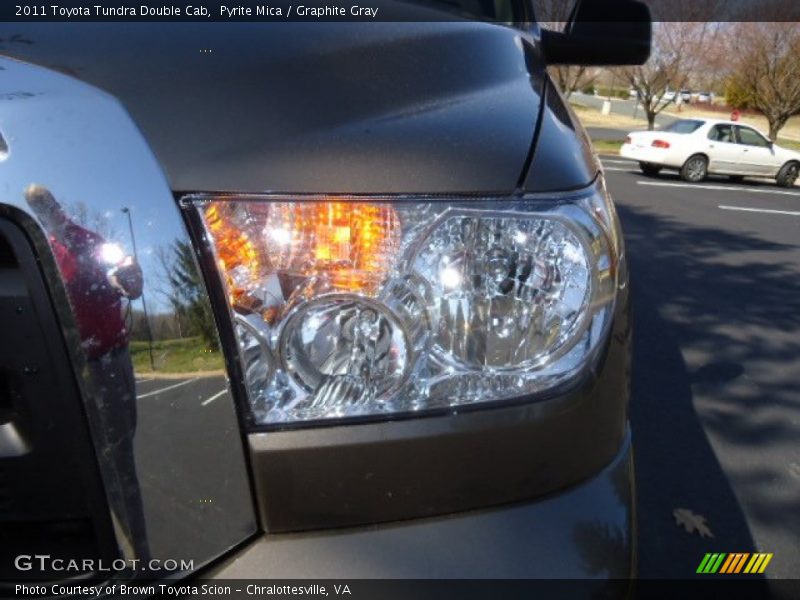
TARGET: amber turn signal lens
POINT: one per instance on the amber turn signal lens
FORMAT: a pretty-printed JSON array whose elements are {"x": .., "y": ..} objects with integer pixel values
[
  {"x": 348, "y": 245},
  {"x": 236, "y": 253},
  {"x": 351, "y": 243}
]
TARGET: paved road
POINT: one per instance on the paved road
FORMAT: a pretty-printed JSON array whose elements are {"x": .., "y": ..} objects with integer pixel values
[
  {"x": 715, "y": 273},
  {"x": 608, "y": 133},
  {"x": 184, "y": 472}
]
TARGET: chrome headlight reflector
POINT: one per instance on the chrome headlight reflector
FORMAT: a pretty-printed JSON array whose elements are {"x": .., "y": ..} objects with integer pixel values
[
  {"x": 345, "y": 307},
  {"x": 508, "y": 289}
]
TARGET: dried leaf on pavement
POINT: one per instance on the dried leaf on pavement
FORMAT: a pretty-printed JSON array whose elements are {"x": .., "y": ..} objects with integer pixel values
[{"x": 691, "y": 522}]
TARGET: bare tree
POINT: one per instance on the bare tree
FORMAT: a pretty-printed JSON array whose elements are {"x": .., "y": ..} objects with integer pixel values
[
  {"x": 554, "y": 15},
  {"x": 94, "y": 220},
  {"x": 571, "y": 78},
  {"x": 678, "y": 50},
  {"x": 765, "y": 72}
]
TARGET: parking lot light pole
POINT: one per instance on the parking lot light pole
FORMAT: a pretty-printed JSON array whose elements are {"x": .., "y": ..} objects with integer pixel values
[{"x": 149, "y": 333}]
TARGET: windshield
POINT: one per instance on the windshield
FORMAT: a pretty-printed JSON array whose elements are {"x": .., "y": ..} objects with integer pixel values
[{"x": 683, "y": 126}]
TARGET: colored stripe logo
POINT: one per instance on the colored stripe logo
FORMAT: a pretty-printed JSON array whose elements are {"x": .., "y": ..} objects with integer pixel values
[{"x": 736, "y": 562}]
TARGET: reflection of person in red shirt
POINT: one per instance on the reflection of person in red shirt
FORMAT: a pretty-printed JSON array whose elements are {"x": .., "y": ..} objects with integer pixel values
[{"x": 98, "y": 276}]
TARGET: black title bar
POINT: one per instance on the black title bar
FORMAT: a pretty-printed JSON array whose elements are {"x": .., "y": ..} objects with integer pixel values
[{"x": 365, "y": 10}]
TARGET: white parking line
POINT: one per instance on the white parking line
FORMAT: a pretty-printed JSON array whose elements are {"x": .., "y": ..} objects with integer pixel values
[
  {"x": 718, "y": 187},
  {"x": 214, "y": 397},
  {"x": 794, "y": 213},
  {"x": 169, "y": 387},
  {"x": 628, "y": 170},
  {"x": 617, "y": 161}
]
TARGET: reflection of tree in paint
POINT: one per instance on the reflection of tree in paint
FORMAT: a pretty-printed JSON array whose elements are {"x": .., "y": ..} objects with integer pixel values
[
  {"x": 604, "y": 545},
  {"x": 14, "y": 39},
  {"x": 598, "y": 543}
]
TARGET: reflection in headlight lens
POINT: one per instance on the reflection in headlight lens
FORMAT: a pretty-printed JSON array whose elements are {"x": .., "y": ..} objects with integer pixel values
[
  {"x": 347, "y": 308},
  {"x": 345, "y": 352},
  {"x": 508, "y": 290}
]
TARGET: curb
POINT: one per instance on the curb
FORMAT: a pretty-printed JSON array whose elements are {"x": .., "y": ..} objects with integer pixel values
[{"x": 147, "y": 375}]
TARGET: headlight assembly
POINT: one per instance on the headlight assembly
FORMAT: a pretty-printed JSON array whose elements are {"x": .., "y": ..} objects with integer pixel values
[{"x": 351, "y": 307}]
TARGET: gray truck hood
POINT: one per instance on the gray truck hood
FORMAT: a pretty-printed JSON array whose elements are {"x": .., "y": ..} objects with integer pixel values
[{"x": 311, "y": 107}]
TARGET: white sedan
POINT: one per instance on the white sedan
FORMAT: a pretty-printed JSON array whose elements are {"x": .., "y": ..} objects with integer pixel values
[{"x": 698, "y": 147}]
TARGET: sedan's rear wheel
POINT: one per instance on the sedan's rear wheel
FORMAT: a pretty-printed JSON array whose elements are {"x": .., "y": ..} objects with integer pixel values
[
  {"x": 649, "y": 169},
  {"x": 788, "y": 174},
  {"x": 695, "y": 168}
]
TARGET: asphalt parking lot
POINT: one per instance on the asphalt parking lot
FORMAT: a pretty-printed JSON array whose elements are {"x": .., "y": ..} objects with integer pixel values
[
  {"x": 179, "y": 463},
  {"x": 715, "y": 273}
]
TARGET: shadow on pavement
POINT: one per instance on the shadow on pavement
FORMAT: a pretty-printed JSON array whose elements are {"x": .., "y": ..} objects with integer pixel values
[
  {"x": 674, "y": 177},
  {"x": 716, "y": 350}
]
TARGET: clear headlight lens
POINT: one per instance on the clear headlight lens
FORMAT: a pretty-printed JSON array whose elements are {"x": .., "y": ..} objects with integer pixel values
[
  {"x": 349, "y": 308},
  {"x": 508, "y": 290},
  {"x": 343, "y": 345}
]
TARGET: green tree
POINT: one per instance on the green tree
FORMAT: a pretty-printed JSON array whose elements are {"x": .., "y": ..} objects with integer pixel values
[
  {"x": 736, "y": 96},
  {"x": 187, "y": 293}
]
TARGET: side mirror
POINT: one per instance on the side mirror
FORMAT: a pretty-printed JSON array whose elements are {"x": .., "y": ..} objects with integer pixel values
[{"x": 601, "y": 33}]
